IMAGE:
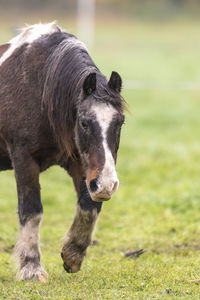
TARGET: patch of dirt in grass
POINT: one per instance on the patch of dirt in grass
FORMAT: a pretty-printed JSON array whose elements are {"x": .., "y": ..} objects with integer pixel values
[{"x": 135, "y": 253}]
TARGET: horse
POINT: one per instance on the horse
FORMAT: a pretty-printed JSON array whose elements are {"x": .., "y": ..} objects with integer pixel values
[{"x": 57, "y": 108}]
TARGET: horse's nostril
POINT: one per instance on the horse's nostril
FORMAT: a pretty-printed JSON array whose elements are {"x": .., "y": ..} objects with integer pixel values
[
  {"x": 115, "y": 186},
  {"x": 93, "y": 185}
]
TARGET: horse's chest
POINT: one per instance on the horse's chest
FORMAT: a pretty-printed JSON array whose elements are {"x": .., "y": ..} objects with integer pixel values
[{"x": 47, "y": 157}]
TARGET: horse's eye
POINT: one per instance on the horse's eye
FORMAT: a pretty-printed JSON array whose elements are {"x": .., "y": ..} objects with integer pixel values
[{"x": 84, "y": 124}]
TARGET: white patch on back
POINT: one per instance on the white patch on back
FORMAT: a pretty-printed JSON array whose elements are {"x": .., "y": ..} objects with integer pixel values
[
  {"x": 29, "y": 35},
  {"x": 104, "y": 114}
]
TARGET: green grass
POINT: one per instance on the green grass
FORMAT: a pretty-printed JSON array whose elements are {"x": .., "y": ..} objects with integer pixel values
[{"x": 157, "y": 207}]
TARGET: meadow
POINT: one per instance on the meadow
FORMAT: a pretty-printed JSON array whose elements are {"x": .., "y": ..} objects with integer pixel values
[{"x": 157, "y": 206}]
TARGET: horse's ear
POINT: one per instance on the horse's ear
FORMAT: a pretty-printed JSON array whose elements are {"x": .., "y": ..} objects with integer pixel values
[
  {"x": 89, "y": 85},
  {"x": 115, "y": 82}
]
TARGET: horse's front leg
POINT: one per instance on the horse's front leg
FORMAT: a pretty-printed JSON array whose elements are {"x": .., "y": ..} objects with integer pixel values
[
  {"x": 80, "y": 234},
  {"x": 30, "y": 215}
]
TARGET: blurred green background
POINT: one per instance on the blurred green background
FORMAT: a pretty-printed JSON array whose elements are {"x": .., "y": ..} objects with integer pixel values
[
  {"x": 139, "y": 8},
  {"x": 155, "y": 46}
]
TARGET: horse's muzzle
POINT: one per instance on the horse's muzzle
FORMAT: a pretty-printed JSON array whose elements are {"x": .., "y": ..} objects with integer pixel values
[{"x": 105, "y": 193}]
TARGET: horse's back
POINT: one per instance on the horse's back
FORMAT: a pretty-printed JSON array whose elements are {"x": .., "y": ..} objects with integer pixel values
[
  {"x": 21, "y": 119},
  {"x": 23, "y": 67}
]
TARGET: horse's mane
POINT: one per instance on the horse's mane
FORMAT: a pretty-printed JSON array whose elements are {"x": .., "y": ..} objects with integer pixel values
[{"x": 67, "y": 67}]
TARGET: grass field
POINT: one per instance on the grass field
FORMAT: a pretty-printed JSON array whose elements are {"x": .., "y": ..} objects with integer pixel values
[{"x": 157, "y": 207}]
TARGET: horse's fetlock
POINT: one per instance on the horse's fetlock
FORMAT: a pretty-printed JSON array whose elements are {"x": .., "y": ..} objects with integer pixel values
[{"x": 32, "y": 271}]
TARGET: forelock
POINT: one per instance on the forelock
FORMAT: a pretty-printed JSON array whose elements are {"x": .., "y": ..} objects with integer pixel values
[{"x": 106, "y": 95}]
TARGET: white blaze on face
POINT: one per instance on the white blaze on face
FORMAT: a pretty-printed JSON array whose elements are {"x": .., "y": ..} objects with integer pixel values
[{"x": 108, "y": 177}]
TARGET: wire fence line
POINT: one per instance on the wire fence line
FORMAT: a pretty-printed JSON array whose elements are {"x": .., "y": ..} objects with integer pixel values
[{"x": 153, "y": 85}]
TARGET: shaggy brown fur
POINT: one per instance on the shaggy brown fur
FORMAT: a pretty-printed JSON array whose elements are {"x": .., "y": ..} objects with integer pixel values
[{"x": 47, "y": 87}]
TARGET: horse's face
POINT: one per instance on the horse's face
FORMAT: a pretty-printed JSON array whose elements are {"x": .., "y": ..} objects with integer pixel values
[{"x": 97, "y": 136}]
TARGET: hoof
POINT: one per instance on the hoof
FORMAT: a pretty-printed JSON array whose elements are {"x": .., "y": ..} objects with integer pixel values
[
  {"x": 32, "y": 272},
  {"x": 67, "y": 268},
  {"x": 73, "y": 269},
  {"x": 42, "y": 277},
  {"x": 71, "y": 264}
]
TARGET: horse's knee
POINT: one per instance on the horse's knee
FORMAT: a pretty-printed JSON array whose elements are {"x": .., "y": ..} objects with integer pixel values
[
  {"x": 27, "y": 247},
  {"x": 78, "y": 239},
  {"x": 27, "y": 251}
]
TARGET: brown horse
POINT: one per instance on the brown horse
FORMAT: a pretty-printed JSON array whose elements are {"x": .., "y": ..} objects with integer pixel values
[{"x": 57, "y": 108}]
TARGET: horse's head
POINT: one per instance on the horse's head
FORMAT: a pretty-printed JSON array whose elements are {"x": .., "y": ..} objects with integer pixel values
[{"x": 100, "y": 117}]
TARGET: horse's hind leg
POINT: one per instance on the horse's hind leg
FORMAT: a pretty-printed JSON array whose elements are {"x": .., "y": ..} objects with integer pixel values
[
  {"x": 80, "y": 234},
  {"x": 30, "y": 215}
]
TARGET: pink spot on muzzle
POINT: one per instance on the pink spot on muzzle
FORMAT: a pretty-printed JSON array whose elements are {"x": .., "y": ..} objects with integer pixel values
[{"x": 104, "y": 194}]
